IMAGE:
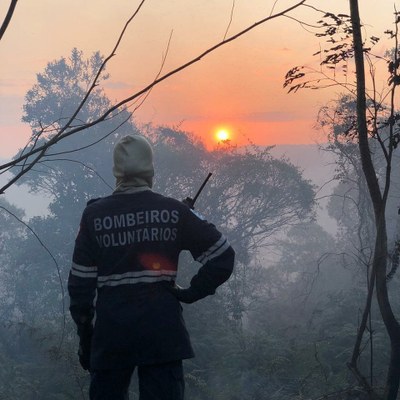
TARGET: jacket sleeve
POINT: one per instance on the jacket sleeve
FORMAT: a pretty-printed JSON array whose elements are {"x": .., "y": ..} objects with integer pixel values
[
  {"x": 210, "y": 248},
  {"x": 82, "y": 280}
]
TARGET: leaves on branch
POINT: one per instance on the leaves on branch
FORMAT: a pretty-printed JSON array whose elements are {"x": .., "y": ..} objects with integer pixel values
[
  {"x": 374, "y": 39},
  {"x": 390, "y": 33},
  {"x": 68, "y": 129},
  {"x": 396, "y": 139},
  {"x": 395, "y": 260},
  {"x": 392, "y": 66},
  {"x": 337, "y": 31},
  {"x": 338, "y": 54},
  {"x": 293, "y": 75},
  {"x": 394, "y": 80}
]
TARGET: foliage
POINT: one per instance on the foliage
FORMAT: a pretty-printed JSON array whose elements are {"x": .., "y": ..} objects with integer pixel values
[
  {"x": 250, "y": 211},
  {"x": 59, "y": 90},
  {"x": 294, "y": 337},
  {"x": 374, "y": 125},
  {"x": 350, "y": 204}
]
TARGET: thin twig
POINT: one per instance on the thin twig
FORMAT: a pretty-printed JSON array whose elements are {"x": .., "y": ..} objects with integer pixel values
[
  {"x": 230, "y": 19},
  {"x": 81, "y": 163},
  {"x": 64, "y": 134},
  {"x": 164, "y": 59},
  {"x": 57, "y": 267}
]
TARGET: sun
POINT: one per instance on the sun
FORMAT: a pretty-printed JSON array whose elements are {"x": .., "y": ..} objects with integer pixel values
[{"x": 222, "y": 134}]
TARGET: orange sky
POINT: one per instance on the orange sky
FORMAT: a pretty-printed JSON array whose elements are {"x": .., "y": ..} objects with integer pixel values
[{"x": 239, "y": 86}]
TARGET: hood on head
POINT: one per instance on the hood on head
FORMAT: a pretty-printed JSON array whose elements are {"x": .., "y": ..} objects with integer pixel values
[{"x": 133, "y": 162}]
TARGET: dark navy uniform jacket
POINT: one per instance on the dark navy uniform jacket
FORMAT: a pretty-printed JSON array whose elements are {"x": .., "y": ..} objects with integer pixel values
[{"x": 126, "y": 253}]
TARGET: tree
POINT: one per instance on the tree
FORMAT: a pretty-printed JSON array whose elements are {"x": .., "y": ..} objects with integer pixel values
[
  {"x": 376, "y": 120},
  {"x": 59, "y": 130},
  {"x": 55, "y": 95},
  {"x": 209, "y": 320},
  {"x": 250, "y": 212},
  {"x": 379, "y": 200}
]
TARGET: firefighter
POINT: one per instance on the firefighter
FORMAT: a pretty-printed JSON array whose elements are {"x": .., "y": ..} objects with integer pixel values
[{"x": 123, "y": 296}]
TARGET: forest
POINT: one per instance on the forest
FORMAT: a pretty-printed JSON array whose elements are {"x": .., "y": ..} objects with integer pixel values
[{"x": 307, "y": 315}]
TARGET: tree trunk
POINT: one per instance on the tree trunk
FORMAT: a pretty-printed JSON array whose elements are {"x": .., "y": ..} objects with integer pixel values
[{"x": 379, "y": 204}]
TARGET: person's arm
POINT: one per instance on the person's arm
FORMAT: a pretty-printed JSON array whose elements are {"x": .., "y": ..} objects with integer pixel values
[
  {"x": 82, "y": 283},
  {"x": 210, "y": 248}
]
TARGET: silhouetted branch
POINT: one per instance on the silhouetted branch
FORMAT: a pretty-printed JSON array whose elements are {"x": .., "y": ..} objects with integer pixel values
[
  {"x": 101, "y": 69},
  {"x": 230, "y": 19},
  {"x": 363, "y": 382},
  {"x": 64, "y": 133},
  {"x": 83, "y": 164},
  {"x": 91, "y": 144},
  {"x": 8, "y": 17},
  {"x": 158, "y": 74}
]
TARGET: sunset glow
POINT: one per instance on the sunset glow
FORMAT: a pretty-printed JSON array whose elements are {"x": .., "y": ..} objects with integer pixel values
[
  {"x": 234, "y": 94},
  {"x": 222, "y": 134}
]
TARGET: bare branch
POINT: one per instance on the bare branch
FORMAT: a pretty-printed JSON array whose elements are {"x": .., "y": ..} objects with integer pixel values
[
  {"x": 8, "y": 17},
  {"x": 96, "y": 78},
  {"x": 84, "y": 165},
  {"x": 158, "y": 74},
  {"x": 60, "y": 135},
  {"x": 93, "y": 143},
  {"x": 230, "y": 19},
  {"x": 64, "y": 132}
]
